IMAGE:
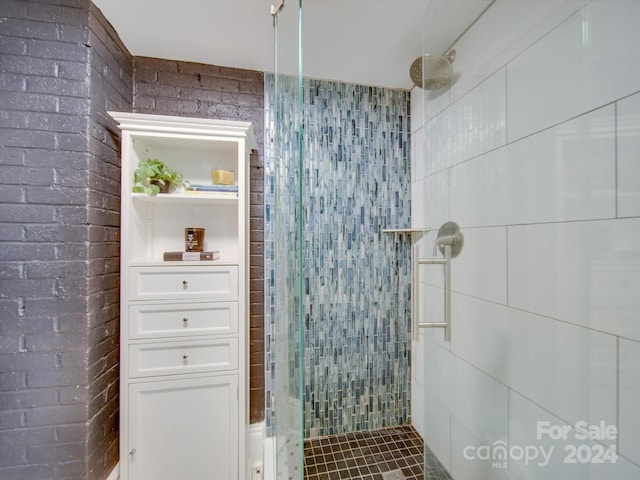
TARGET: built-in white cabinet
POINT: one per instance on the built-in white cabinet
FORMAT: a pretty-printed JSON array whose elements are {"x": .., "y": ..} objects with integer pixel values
[
  {"x": 184, "y": 324},
  {"x": 185, "y": 428}
]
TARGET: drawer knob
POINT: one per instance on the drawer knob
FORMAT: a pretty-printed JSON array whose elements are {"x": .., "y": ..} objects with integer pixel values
[
  {"x": 185, "y": 284},
  {"x": 185, "y": 320},
  {"x": 132, "y": 452},
  {"x": 185, "y": 356}
]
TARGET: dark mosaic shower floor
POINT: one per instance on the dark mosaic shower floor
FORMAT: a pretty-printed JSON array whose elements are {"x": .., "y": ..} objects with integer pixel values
[{"x": 386, "y": 454}]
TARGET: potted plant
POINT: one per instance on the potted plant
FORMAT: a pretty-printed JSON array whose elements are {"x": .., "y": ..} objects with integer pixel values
[{"x": 153, "y": 176}]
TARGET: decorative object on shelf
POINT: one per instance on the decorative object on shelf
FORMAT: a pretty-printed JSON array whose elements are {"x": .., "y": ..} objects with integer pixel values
[
  {"x": 222, "y": 177},
  {"x": 190, "y": 256},
  {"x": 154, "y": 176},
  {"x": 227, "y": 190},
  {"x": 194, "y": 239}
]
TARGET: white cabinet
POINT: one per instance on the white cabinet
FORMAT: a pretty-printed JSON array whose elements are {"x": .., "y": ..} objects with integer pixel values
[
  {"x": 184, "y": 324},
  {"x": 183, "y": 429}
]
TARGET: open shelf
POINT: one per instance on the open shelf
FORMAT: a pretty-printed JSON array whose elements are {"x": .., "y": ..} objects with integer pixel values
[
  {"x": 188, "y": 198},
  {"x": 163, "y": 263}
]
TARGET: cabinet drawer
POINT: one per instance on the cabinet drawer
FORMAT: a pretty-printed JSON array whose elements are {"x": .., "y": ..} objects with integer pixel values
[
  {"x": 173, "y": 358},
  {"x": 153, "y": 283},
  {"x": 185, "y": 319}
]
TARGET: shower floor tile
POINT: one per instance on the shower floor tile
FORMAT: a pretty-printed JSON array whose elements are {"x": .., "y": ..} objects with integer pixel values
[{"x": 395, "y": 453}]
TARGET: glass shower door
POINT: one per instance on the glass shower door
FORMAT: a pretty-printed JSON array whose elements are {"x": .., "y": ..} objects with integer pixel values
[{"x": 286, "y": 309}]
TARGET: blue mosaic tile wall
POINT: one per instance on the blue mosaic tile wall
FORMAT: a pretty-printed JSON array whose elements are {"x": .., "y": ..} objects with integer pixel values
[{"x": 357, "y": 280}]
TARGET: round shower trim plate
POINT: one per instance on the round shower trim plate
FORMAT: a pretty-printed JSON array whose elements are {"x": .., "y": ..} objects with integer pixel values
[{"x": 454, "y": 230}]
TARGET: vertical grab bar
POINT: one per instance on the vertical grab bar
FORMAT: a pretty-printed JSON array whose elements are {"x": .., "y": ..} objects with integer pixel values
[
  {"x": 415, "y": 288},
  {"x": 450, "y": 241},
  {"x": 447, "y": 293}
]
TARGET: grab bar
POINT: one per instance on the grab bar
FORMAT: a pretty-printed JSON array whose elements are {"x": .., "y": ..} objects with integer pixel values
[
  {"x": 415, "y": 234},
  {"x": 450, "y": 242}
]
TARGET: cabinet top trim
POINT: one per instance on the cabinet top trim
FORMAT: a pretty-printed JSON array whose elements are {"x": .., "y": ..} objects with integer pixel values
[{"x": 172, "y": 124}]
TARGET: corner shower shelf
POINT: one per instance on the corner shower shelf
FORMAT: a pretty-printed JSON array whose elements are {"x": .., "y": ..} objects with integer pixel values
[{"x": 406, "y": 230}]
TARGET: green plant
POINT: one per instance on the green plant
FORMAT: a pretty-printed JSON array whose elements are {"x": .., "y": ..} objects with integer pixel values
[{"x": 153, "y": 176}]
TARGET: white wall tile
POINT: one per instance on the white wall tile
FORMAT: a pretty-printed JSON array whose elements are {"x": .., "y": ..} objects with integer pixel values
[
  {"x": 561, "y": 174},
  {"x": 435, "y": 101},
  {"x": 436, "y": 199},
  {"x": 418, "y": 408},
  {"x": 417, "y": 360},
  {"x": 629, "y": 428},
  {"x": 478, "y": 191},
  {"x": 417, "y": 155},
  {"x": 569, "y": 370},
  {"x": 570, "y": 70},
  {"x": 437, "y": 143},
  {"x": 417, "y": 203},
  {"x": 466, "y": 458},
  {"x": 483, "y": 409},
  {"x": 480, "y": 334},
  {"x": 481, "y": 268},
  {"x": 629, "y": 156},
  {"x": 436, "y": 368},
  {"x": 417, "y": 109},
  {"x": 437, "y": 434},
  {"x": 587, "y": 273},
  {"x": 504, "y": 31},
  {"x": 471, "y": 126},
  {"x": 524, "y": 432}
]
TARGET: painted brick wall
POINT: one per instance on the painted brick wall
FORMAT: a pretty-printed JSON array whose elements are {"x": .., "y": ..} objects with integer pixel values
[
  {"x": 196, "y": 90},
  {"x": 58, "y": 252},
  {"x": 111, "y": 87}
]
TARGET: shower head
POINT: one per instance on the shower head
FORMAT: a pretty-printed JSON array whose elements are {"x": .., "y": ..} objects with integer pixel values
[{"x": 432, "y": 72}]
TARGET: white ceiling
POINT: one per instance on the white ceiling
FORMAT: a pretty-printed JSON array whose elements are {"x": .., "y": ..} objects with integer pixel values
[{"x": 369, "y": 42}]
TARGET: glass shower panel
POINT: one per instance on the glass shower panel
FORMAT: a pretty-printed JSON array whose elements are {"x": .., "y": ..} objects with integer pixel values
[{"x": 286, "y": 311}]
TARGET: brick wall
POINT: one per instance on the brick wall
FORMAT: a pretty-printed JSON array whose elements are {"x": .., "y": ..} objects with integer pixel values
[
  {"x": 58, "y": 252},
  {"x": 111, "y": 87},
  {"x": 197, "y": 90}
]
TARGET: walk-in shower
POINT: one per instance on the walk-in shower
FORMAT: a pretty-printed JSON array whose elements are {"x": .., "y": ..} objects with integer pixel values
[{"x": 539, "y": 167}]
